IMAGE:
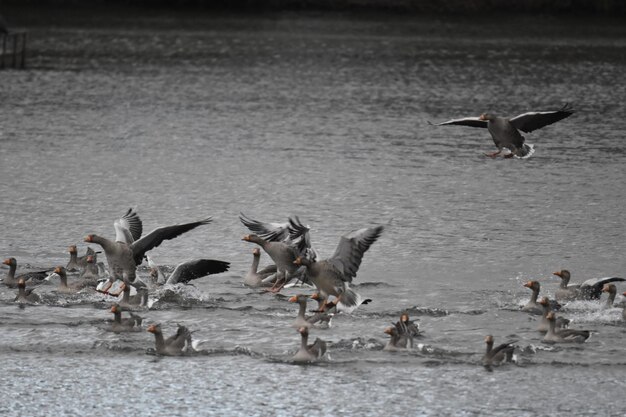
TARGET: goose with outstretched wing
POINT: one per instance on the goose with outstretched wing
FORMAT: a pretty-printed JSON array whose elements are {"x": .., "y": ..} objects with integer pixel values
[
  {"x": 332, "y": 276},
  {"x": 506, "y": 131},
  {"x": 126, "y": 252}
]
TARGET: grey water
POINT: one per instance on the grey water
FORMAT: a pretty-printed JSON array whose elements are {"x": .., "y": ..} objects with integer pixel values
[{"x": 325, "y": 117}]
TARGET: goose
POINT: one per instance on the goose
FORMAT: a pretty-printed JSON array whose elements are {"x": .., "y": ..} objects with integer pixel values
[
  {"x": 402, "y": 334},
  {"x": 78, "y": 263},
  {"x": 505, "y": 131},
  {"x": 532, "y": 306},
  {"x": 309, "y": 353},
  {"x": 612, "y": 291},
  {"x": 25, "y": 296},
  {"x": 332, "y": 276},
  {"x": 283, "y": 255},
  {"x": 590, "y": 289},
  {"x": 176, "y": 345},
  {"x": 495, "y": 356},
  {"x": 64, "y": 287},
  {"x": 129, "y": 249},
  {"x": 30, "y": 278},
  {"x": 561, "y": 322},
  {"x": 119, "y": 324},
  {"x": 555, "y": 335},
  {"x": 255, "y": 278}
]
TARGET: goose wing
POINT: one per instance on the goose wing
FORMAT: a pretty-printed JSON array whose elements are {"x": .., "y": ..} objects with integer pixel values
[
  {"x": 157, "y": 236},
  {"x": 349, "y": 253},
  {"x": 530, "y": 121}
]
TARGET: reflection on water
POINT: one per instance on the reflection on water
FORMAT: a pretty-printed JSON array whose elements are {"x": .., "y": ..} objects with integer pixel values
[{"x": 326, "y": 119}]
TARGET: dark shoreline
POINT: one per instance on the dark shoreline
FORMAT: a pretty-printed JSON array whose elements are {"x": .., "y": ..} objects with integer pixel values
[{"x": 431, "y": 7}]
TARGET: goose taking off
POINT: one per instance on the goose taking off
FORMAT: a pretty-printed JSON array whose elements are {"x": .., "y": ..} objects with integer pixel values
[
  {"x": 333, "y": 275},
  {"x": 505, "y": 131},
  {"x": 128, "y": 250}
]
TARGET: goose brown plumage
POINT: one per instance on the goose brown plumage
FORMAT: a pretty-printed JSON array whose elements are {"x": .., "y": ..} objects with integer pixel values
[
  {"x": 30, "y": 278},
  {"x": 590, "y": 289},
  {"x": 333, "y": 276},
  {"x": 64, "y": 286},
  {"x": 119, "y": 324},
  {"x": 176, "y": 345},
  {"x": 612, "y": 291},
  {"x": 555, "y": 335},
  {"x": 505, "y": 131},
  {"x": 282, "y": 254},
  {"x": 254, "y": 278},
  {"x": 128, "y": 250},
  {"x": 24, "y": 295},
  {"x": 77, "y": 263},
  {"x": 495, "y": 356},
  {"x": 309, "y": 353},
  {"x": 561, "y": 322}
]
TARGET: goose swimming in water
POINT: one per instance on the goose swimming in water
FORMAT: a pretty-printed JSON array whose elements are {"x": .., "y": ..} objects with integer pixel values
[
  {"x": 77, "y": 263},
  {"x": 176, "y": 345},
  {"x": 561, "y": 322},
  {"x": 24, "y": 295},
  {"x": 591, "y": 289},
  {"x": 309, "y": 353},
  {"x": 119, "y": 324},
  {"x": 612, "y": 291},
  {"x": 495, "y": 356},
  {"x": 555, "y": 335},
  {"x": 30, "y": 278},
  {"x": 505, "y": 132}
]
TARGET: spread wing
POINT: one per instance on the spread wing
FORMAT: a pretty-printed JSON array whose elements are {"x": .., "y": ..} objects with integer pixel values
[
  {"x": 197, "y": 268},
  {"x": 274, "y": 232},
  {"x": 530, "y": 121},
  {"x": 128, "y": 228},
  {"x": 466, "y": 121},
  {"x": 300, "y": 236},
  {"x": 157, "y": 236},
  {"x": 352, "y": 246}
]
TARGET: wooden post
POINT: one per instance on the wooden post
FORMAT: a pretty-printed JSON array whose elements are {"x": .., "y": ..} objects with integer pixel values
[
  {"x": 15, "y": 51},
  {"x": 24, "y": 38},
  {"x": 4, "y": 49}
]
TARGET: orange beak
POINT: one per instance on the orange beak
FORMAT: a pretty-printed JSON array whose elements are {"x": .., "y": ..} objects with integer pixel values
[
  {"x": 293, "y": 299},
  {"x": 88, "y": 238},
  {"x": 389, "y": 330},
  {"x": 113, "y": 309},
  {"x": 246, "y": 238},
  {"x": 151, "y": 328},
  {"x": 528, "y": 284},
  {"x": 57, "y": 270},
  {"x": 7, "y": 262},
  {"x": 298, "y": 261},
  {"x": 558, "y": 274}
]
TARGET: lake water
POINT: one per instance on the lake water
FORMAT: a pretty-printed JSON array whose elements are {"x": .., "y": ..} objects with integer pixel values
[{"x": 326, "y": 117}]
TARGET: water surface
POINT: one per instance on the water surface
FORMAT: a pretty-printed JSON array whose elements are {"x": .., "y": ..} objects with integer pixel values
[{"x": 325, "y": 117}]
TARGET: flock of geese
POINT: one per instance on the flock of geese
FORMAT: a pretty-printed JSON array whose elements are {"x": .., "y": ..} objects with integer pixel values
[{"x": 295, "y": 262}]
